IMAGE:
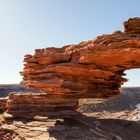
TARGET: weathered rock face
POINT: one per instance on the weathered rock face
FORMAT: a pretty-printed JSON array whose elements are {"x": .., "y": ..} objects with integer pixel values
[
  {"x": 132, "y": 26},
  {"x": 89, "y": 69},
  {"x": 3, "y": 104},
  {"x": 29, "y": 104}
]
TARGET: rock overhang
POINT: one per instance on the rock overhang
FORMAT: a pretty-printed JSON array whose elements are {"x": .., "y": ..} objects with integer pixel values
[{"x": 90, "y": 69}]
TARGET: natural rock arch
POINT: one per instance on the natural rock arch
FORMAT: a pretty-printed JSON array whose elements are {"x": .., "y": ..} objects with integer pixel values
[{"x": 90, "y": 69}]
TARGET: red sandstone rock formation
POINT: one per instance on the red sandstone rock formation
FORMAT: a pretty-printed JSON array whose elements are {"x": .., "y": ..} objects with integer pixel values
[
  {"x": 20, "y": 104},
  {"x": 3, "y": 104},
  {"x": 89, "y": 69}
]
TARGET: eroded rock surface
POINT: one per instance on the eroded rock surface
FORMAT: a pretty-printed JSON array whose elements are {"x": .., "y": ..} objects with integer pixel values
[
  {"x": 3, "y": 104},
  {"x": 8, "y": 134},
  {"x": 104, "y": 119},
  {"x": 28, "y": 105},
  {"x": 77, "y": 128},
  {"x": 89, "y": 69}
]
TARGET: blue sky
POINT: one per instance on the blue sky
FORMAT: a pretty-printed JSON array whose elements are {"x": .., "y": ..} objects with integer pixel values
[{"x": 29, "y": 24}]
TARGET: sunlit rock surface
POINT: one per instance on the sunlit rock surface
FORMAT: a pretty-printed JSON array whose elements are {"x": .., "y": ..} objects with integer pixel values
[{"x": 89, "y": 69}]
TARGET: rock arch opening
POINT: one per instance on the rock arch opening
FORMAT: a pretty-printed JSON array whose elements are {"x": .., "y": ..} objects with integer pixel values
[{"x": 133, "y": 76}]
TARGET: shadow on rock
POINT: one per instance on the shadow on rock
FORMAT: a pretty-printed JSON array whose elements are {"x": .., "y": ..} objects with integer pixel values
[
  {"x": 81, "y": 127},
  {"x": 127, "y": 100},
  {"x": 73, "y": 127}
]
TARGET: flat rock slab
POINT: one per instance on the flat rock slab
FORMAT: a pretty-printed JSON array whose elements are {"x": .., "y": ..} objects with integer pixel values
[{"x": 74, "y": 128}]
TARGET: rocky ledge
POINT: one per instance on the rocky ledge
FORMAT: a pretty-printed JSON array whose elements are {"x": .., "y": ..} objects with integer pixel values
[{"x": 98, "y": 119}]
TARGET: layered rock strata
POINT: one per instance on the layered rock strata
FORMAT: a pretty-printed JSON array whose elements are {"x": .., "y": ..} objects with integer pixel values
[
  {"x": 21, "y": 103},
  {"x": 132, "y": 26},
  {"x": 3, "y": 104},
  {"x": 90, "y": 69}
]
